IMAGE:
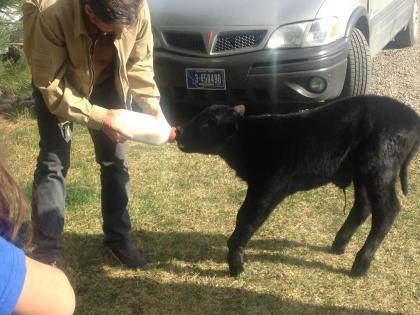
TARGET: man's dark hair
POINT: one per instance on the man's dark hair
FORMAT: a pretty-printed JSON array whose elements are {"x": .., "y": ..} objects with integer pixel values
[{"x": 115, "y": 11}]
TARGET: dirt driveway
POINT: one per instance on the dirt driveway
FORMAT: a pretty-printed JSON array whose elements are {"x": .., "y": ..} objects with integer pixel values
[{"x": 396, "y": 73}]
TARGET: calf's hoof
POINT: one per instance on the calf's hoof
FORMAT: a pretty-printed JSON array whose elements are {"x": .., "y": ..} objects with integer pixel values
[
  {"x": 360, "y": 267},
  {"x": 338, "y": 247},
  {"x": 236, "y": 263},
  {"x": 357, "y": 272}
]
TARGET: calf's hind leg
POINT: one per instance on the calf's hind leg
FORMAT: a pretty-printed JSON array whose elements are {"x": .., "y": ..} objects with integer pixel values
[
  {"x": 357, "y": 215},
  {"x": 385, "y": 207}
]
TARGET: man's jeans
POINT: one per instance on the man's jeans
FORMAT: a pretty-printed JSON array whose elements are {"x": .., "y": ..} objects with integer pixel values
[{"x": 49, "y": 187}]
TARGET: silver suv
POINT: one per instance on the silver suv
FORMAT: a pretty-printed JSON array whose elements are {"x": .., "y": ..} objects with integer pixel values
[{"x": 273, "y": 52}]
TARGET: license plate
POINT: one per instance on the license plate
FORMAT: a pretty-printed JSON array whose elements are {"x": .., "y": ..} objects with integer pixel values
[{"x": 205, "y": 79}]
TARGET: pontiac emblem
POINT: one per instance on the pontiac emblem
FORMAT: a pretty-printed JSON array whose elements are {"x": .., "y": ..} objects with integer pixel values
[{"x": 209, "y": 36}]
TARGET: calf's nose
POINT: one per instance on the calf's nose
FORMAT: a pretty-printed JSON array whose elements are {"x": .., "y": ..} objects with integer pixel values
[{"x": 172, "y": 135}]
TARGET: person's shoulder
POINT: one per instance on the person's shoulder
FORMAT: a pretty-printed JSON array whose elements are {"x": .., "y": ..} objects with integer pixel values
[
  {"x": 56, "y": 8},
  {"x": 144, "y": 12},
  {"x": 8, "y": 247},
  {"x": 143, "y": 4},
  {"x": 59, "y": 15},
  {"x": 47, "y": 5},
  {"x": 142, "y": 17},
  {"x": 143, "y": 7},
  {"x": 3, "y": 243}
]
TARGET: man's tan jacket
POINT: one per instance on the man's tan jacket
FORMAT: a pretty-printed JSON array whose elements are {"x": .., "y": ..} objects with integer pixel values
[{"x": 59, "y": 51}]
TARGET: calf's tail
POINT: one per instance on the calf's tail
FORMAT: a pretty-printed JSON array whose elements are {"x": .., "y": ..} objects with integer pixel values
[{"x": 404, "y": 168}]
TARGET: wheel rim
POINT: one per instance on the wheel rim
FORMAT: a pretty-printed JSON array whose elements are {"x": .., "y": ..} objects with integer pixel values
[{"x": 415, "y": 19}]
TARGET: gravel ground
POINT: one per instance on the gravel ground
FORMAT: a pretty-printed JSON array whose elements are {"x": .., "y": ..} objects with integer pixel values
[{"x": 396, "y": 73}]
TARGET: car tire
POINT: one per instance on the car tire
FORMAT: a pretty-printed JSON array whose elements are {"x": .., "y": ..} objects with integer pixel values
[
  {"x": 410, "y": 34},
  {"x": 359, "y": 66}
]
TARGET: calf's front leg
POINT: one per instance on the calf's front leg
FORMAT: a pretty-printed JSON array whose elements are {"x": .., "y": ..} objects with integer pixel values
[{"x": 254, "y": 211}]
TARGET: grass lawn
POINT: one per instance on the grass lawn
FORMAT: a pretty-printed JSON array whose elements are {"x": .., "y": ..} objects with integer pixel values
[{"x": 183, "y": 209}]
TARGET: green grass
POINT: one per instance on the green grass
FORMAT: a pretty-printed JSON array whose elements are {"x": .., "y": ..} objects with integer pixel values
[{"x": 183, "y": 209}]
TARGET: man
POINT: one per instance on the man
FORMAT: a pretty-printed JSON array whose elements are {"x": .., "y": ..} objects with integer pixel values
[{"x": 88, "y": 57}]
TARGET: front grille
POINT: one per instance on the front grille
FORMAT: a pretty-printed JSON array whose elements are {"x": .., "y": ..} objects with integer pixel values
[
  {"x": 243, "y": 40},
  {"x": 187, "y": 41}
]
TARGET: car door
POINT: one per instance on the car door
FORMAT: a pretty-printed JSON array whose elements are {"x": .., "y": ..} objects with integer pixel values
[
  {"x": 382, "y": 23},
  {"x": 403, "y": 13}
]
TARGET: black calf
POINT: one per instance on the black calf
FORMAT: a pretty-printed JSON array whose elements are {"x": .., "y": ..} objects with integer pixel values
[{"x": 367, "y": 140}]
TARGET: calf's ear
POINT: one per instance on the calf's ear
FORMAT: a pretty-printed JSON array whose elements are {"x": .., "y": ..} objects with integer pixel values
[{"x": 240, "y": 109}]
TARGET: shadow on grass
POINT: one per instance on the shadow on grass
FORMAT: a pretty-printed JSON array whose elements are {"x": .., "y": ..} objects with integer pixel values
[
  {"x": 195, "y": 247},
  {"x": 162, "y": 248},
  {"x": 109, "y": 292}
]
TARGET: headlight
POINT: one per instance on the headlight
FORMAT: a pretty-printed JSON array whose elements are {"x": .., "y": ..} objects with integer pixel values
[
  {"x": 288, "y": 36},
  {"x": 306, "y": 34}
]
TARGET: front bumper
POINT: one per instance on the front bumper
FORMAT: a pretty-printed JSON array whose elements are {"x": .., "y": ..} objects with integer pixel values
[{"x": 264, "y": 77}]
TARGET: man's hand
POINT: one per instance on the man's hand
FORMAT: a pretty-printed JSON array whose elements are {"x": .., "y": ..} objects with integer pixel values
[
  {"x": 111, "y": 126},
  {"x": 120, "y": 125}
]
